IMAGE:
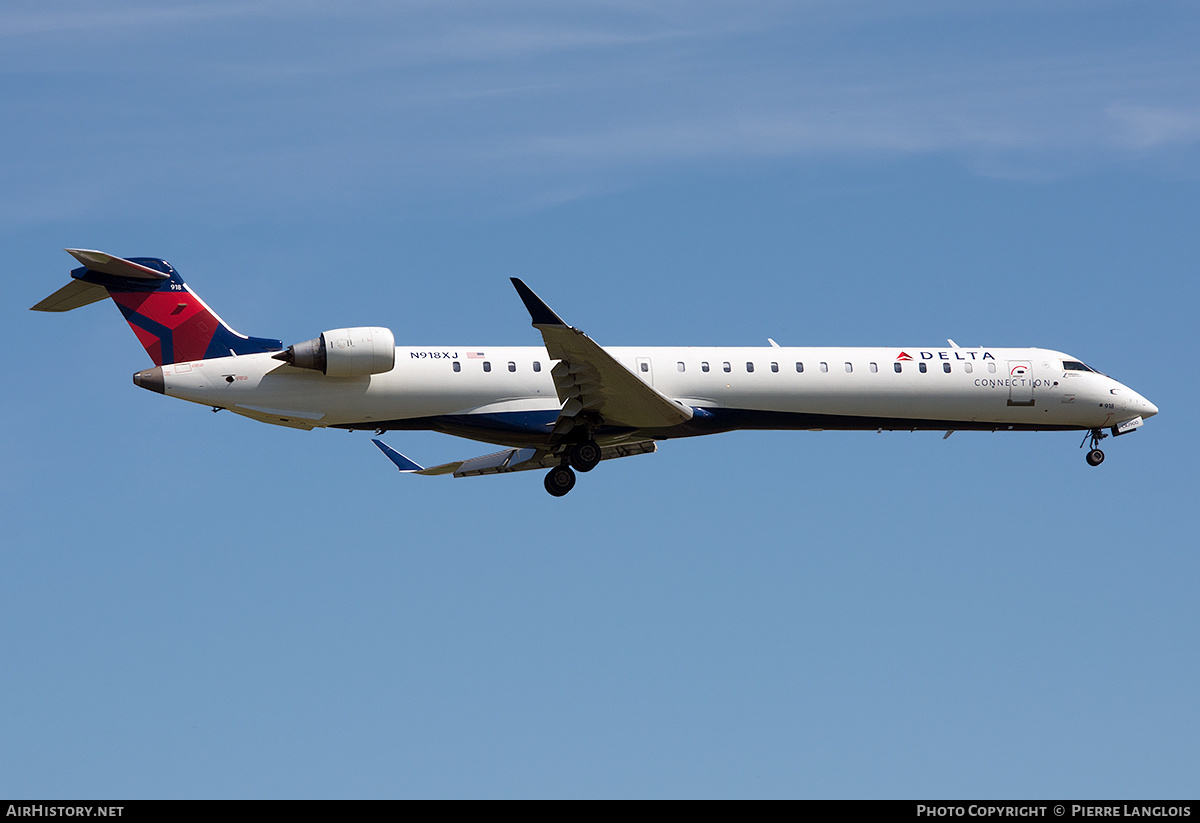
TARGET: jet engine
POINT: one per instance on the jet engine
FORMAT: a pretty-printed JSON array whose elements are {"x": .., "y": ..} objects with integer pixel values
[{"x": 354, "y": 352}]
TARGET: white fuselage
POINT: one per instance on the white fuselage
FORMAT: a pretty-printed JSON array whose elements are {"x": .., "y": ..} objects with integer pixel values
[
  {"x": 570, "y": 403},
  {"x": 506, "y": 395}
]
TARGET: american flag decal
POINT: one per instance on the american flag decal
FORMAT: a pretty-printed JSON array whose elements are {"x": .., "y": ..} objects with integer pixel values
[{"x": 474, "y": 355}]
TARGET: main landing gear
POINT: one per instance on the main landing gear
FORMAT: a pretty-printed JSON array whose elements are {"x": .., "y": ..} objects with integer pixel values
[
  {"x": 560, "y": 480},
  {"x": 583, "y": 456},
  {"x": 1094, "y": 456}
]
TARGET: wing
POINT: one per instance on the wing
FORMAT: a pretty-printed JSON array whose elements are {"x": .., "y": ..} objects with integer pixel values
[
  {"x": 591, "y": 383},
  {"x": 509, "y": 460}
]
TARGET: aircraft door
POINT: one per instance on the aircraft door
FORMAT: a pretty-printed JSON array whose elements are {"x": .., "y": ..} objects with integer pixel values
[{"x": 1020, "y": 385}]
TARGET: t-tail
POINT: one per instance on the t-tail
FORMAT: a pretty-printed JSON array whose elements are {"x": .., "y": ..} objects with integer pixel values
[{"x": 170, "y": 320}]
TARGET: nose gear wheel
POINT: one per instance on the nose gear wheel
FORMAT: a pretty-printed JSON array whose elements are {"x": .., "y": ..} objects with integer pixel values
[{"x": 1094, "y": 456}]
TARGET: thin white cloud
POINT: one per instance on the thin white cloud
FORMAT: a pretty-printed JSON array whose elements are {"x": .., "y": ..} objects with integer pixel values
[
  {"x": 129, "y": 19},
  {"x": 1147, "y": 127},
  {"x": 457, "y": 102}
]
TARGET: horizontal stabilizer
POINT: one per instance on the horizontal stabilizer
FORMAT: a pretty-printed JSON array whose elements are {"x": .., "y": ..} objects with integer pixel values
[
  {"x": 116, "y": 266},
  {"x": 71, "y": 296}
]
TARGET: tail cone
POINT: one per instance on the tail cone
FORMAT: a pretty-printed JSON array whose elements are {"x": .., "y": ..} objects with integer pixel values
[{"x": 151, "y": 379}]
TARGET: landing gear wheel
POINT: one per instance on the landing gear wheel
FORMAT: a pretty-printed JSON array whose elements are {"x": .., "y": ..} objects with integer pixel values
[
  {"x": 584, "y": 456},
  {"x": 1094, "y": 456},
  {"x": 560, "y": 480}
]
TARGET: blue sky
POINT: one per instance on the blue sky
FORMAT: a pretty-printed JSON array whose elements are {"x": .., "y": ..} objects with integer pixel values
[{"x": 197, "y": 605}]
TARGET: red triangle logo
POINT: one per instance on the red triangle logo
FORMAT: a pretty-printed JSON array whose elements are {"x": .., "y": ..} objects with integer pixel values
[{"x": 904, "y": 356}]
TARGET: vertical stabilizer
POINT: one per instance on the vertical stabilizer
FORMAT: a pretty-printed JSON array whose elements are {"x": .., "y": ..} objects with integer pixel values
[{"x": 170, "y": 320}]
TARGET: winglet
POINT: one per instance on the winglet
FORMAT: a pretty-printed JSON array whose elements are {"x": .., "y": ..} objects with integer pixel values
[
  {"x": 539, "y": 312},
  {"x": 402, "y": 462}
]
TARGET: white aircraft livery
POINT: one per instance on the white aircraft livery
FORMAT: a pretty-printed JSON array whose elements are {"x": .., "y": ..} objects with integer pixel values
[{"x": 568, "y": 404}]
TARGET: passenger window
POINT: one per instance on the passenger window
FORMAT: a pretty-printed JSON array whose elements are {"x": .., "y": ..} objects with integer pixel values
[
  {"x": 726, "y": 367},
  {"x": 457, "y": 366},
  {"x": 799, "y": 367},
  {"x": 512, "y": 366},
  {"x": 487, "y": 366},
  {"x": 991, "y": 368},
  {"x": 921, "y": 367},
  {"x": 968, "y": 368},
  {"x": 537, "y": 365},
  {"x": 749, "y": 366},
  {"x": 679, "y": 365},
  {"x": 849, "y": 368},
  {"x": 946, "y": 368},
  {"x": 896, "y": 366},
  {"x": 824, "y": 366},
  {"x": 704, "y": 366},
  {"x": 874, "y": 368},
  {"x": 774, "y": 367},
  {"x": 645, "y": 366}
]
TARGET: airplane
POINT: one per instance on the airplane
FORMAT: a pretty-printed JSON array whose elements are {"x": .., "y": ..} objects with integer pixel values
[{"x": 569, "y": 404}]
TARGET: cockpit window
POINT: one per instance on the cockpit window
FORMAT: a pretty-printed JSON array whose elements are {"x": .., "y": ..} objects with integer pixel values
[{"x": 1075, "y": 365}]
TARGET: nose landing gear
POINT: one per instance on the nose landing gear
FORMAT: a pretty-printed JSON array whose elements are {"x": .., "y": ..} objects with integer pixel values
[{"x": 1094, "y": 456}]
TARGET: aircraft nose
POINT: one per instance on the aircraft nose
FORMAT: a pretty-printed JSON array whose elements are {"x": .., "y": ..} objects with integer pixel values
[
  {"x": 1131, "y": 403},
  {"x": 1141, "y": 405}
]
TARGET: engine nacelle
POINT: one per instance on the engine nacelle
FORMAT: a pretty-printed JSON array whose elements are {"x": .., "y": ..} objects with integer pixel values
[{"x": 345, "y": 352}]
